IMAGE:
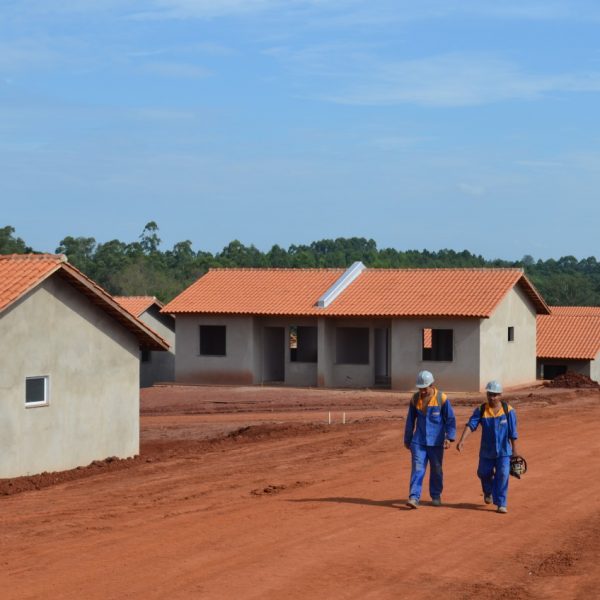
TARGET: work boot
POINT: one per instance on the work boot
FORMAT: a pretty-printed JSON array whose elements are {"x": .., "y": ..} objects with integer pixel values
[{"x": 412, "y": 503}]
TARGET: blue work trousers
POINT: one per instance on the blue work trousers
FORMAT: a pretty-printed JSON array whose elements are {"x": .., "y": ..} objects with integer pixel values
[
  {"x": 421, "y": 455},
  {"x": 494, "y": 473}
]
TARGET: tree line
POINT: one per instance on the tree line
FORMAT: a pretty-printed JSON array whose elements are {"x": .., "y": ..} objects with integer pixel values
[{"x": 142, "y": 268}]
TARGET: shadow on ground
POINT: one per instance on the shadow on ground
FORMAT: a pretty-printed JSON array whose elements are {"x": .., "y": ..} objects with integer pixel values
[{"x": 396, "y": 504}]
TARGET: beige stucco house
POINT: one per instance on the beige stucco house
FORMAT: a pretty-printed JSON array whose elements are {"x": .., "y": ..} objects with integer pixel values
[
  {"x": 568, "y": 339},
  {"x": 69, "y": 382},
  {"x": 357, "y": 328},
  {"x": 155, "y": 365}
]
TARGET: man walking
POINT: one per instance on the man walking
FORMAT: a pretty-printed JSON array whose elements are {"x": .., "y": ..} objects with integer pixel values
[
  {"x": 498, "y": 443},
  {"x": 430, "y": 428}
]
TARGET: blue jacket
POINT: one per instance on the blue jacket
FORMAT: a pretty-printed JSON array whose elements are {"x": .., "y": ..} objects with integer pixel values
[
  {"x": 496, "y": 430},
  {"x": 433, "y": 425}
]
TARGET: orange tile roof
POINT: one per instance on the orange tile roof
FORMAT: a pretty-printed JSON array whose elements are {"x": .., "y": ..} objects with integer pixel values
[
  {"x": 21, "y": 273},
  {"x": 576, "y": 311},
  {"x": 428, "y": 292},
  {"x": 137, "y": 305},
  {"x": 376, "y": 292},
  {"x": 563, "y": 334},
  {"x": 255, "y": 291}
]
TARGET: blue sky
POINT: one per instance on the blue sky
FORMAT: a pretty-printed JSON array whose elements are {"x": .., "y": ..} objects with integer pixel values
[{"x": 421, "y": 124}]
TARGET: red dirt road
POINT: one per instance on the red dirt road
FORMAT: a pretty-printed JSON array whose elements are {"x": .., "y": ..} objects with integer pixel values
[{"x": 294, "y": 508}]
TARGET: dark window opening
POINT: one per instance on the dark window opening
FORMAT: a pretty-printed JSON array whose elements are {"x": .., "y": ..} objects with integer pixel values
[
  {"x": 145, "y": 356},
  {"x": 352, "y": 345},
  {"x": 212, "y": 340},
  {"x": 36, "y": 390},
  {"x": 438, "y": 344},
  {"x": 511, "y": 334},
  {"x": 303, "y": 344}
]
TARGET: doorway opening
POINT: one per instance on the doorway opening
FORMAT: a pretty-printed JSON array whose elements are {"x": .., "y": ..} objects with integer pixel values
[{"x": 274, "y": 355}]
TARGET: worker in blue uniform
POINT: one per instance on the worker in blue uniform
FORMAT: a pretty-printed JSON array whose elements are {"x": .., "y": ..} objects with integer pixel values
[
  {"x": 498, "y": 422},
  {"x": 430, "y": 429}
]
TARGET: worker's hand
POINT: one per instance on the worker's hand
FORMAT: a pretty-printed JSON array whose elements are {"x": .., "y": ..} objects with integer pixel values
[
  {"x": 407, "y": 446},
  {"x": 447, "y": 444},
  {"x": 460, "y": 445}
]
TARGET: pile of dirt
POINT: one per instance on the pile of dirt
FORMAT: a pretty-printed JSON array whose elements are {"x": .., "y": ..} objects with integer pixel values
[
  {"x": 158, "y": 451},
  {"x": 16, "y": 485},
  {"x": 573, "y": 380}
]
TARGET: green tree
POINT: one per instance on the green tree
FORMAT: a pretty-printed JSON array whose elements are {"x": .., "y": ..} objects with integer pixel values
[
  {"x": 9, "y": 244},
  {"x": 80, "y": 252},
  {"x": 149, "y": 240}
]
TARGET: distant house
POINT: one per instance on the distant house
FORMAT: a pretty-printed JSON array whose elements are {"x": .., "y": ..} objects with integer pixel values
[
  {"x": 155, "y": 366},
  {"x": 357, "y": 328},
  {"x": 569, "y": 339},
  {"x": 69, "y": 381}
]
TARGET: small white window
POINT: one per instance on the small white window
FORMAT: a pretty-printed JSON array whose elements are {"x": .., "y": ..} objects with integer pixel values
[{"x": 37, "y": 391}]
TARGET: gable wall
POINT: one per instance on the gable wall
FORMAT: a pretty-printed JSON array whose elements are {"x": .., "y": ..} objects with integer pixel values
[
  {"x": 161, "y": 366},
  {"x": 512, "y": 363},
  {"x": 93, "y": 365}
]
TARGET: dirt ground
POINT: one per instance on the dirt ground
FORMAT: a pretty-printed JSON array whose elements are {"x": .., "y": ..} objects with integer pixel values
[{"x": 249, "y": 493}]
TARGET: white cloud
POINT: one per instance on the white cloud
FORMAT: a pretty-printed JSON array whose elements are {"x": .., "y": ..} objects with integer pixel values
[
  {"x": 472, "y": 189},
  {"x": 456, "y": 80},
  {"x": 206, "y": 9},
  {"x": 161, "y": 114},
  {"x": 376, "y": 12},
  {"x": 24, "y": 53},
  {"x": 175, "y": 69},
  {"x": 398, "y": 142},
  {"x": 340, "y": 12},
  {"x": 542, "y": 164}
]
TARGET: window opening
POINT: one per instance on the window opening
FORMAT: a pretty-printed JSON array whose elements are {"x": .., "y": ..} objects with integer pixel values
[
  {"x": 437, "y": 344},
  {"x": 303, "y": 343},
  {"x": 36, "y": 391},
  {"x": 212, "y": 340}
]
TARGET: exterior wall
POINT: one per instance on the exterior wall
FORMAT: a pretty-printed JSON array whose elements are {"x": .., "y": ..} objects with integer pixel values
[
  {"x": 460, "y": 374},
  {"x": 352, "y": 375},
  {"x": 296, "y": 373},
  {"x": 339, "y": 375},
  {"x": 244, "y": 363},
  {"x": 161, "y": 366},
  {"x": 481, "y": 350},
  {"x": 326, "y": 352},
  {"x": 93, "y": 367},
  {"x": 239, "y": 366},
  {"x": 512, "y": 363}
]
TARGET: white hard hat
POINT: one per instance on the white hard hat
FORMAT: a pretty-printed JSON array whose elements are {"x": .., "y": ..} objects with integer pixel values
[
  {"x": 424, "y": 379},
  {"x": 494, "y": 387}
]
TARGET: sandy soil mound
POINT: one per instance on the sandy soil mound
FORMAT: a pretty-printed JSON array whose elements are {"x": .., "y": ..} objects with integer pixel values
[{"x": 572, "y": 380}]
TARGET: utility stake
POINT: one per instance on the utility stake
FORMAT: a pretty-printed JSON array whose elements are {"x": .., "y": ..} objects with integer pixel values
[
  {"x": 329, "y": 418},
  {"x": 343, "y": 418}
]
